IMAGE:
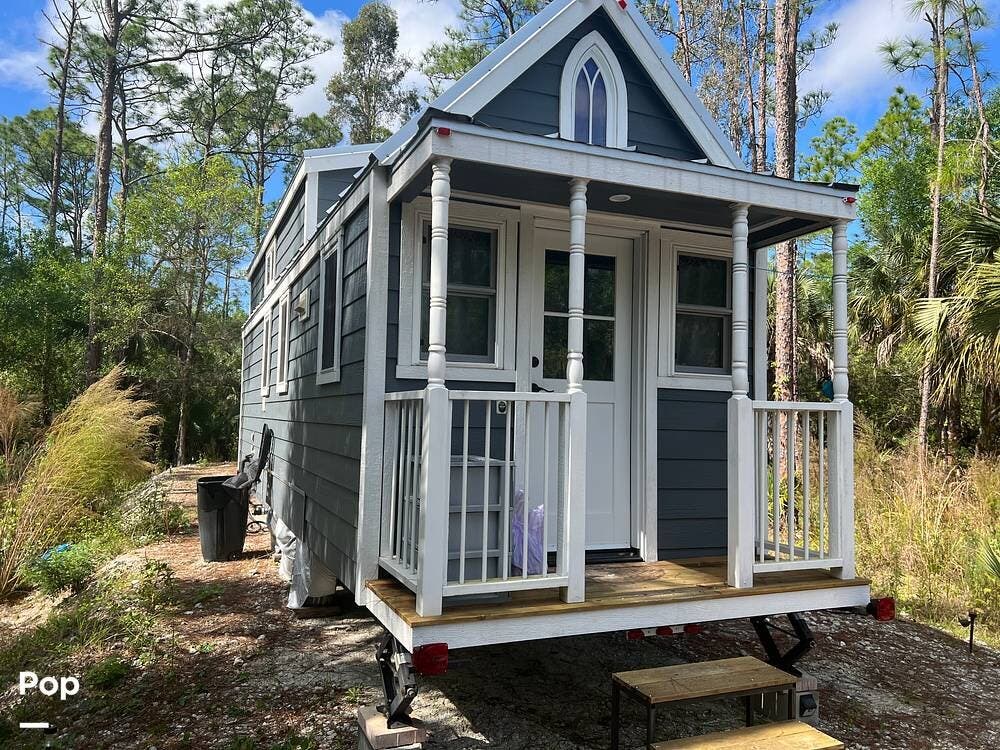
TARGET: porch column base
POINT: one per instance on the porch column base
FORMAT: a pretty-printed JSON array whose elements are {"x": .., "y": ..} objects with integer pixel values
[{"x": 741, "y": 492}]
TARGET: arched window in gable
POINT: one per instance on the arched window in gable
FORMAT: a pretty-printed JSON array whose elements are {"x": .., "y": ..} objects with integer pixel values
[{"x": 593, "y": 99}]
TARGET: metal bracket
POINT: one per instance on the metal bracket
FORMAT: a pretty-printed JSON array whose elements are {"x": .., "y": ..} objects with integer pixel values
[
  {"x": 800, "y": 631},
  {"x": 399, "y": 684}
]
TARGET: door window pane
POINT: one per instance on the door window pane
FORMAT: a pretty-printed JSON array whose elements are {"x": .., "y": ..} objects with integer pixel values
[
  {"x": 554, "y": 357},
  {"x": 598, "y": 350},
  {"x": 556, "y": 281},
  {"x": 702, "y": 281},
  {"x": 599, "y": 285},
  {"x": 701, "y": 341}
]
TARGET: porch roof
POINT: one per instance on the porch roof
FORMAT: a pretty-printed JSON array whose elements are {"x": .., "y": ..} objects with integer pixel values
[{"x": 536, "y": 169}]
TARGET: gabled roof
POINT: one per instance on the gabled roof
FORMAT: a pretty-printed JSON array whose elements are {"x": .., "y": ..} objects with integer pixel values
[{"x": 502, "y": 66}]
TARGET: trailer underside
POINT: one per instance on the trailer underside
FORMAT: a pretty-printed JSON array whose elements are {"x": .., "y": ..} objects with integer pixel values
[{"x": 620, "y": 596}]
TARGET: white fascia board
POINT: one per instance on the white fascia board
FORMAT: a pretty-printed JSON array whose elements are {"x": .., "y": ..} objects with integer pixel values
[
  {"x": 486, "y": 632},
  {"x": 531, "y": 153}
]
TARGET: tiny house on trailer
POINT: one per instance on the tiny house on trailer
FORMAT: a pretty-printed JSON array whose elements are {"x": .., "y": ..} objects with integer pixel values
[{"x": 514, "y": 358}]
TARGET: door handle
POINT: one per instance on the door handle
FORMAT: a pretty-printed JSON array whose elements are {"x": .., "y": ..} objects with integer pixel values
[{"x": 535, "y": 388}]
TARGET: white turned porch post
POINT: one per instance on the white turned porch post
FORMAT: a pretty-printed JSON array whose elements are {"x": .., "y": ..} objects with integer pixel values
[
  {"x": 575, "y": 526},
  {"x": 741, "y": 453},
  {"x": 760, "y": 325},
  {"x": 436, "y": 455},
  {"x": 842, "y": 439}
]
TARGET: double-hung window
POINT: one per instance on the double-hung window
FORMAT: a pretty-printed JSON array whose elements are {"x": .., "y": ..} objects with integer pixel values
[
  {"x": 470, "y": 332},
  {"x": 703, "y": 314},
  {"x": 481, "y": 293},
  {"x": 328, "y": 349}
]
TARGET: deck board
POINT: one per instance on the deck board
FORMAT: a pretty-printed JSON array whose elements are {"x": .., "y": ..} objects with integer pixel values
[{"x": 615, "y": 585}]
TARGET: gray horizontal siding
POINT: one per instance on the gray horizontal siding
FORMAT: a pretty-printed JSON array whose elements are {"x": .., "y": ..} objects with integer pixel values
[
  {"x": 531, "y": 103},
  {"x": 288, "y": 237},
  {"x": 317, "y": 428},
  {"x": 691, "y": 473}
]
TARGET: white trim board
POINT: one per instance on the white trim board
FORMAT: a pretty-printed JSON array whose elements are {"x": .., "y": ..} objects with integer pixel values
[
  {"x": 583, "y": 622},
  {"x": 477, "y": 144}
]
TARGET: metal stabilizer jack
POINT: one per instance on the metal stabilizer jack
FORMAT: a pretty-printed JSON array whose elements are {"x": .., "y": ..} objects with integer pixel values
[
  {"x": 399, "y": 684},
  {"x": 800, "y": 631}
]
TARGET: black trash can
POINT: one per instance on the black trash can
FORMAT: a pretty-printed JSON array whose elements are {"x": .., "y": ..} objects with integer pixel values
[{"x": 222, "y": 519}]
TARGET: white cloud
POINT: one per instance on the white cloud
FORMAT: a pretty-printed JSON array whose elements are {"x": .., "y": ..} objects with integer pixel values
[
  {"x": 852, "y": 69},
  {"x": 20, "y": 68}
]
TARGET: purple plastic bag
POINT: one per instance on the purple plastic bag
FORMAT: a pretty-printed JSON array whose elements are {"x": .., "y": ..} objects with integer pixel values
[{"x": 536, "y": 519}]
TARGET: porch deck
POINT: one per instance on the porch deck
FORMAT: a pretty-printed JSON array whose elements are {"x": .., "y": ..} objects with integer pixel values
[{"x": 619, "y": 596}]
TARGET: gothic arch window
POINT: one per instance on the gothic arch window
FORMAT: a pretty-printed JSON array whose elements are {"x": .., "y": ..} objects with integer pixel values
[{"x": 593, "y": 106}]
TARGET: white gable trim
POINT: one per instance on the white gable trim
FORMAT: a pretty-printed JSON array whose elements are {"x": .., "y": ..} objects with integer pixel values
[
  {"x": 595, "y": 46},
  {"x": 512, "y": 58}
]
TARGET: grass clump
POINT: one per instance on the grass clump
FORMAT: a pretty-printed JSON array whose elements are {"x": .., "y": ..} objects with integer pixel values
[
  {"x": 107, "y": 673},
  {"x": 922, "y": 529},
  {"x": 145, "y": 513},
  {"x": 66, "y": 566},
  {"x": 94, "y": 449}
]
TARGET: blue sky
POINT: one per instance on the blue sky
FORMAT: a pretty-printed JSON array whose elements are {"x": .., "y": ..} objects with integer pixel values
[{"x": 851, "y": 69}]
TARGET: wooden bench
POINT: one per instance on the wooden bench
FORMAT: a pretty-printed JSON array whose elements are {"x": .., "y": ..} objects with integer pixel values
[
  {"x": 743, "y": 677},
  {"x": 782, "y": 735}
]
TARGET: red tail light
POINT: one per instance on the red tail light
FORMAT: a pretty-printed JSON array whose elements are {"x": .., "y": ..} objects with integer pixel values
[
  {"x": 883, "y": 609},
  {"x": 664, "y": 630},
  {"x": 431, "y": 660},
  {"x": 692, "y": 629},
  {"x": 444, "y": 131},
  {"x": 635, "y": 635}
]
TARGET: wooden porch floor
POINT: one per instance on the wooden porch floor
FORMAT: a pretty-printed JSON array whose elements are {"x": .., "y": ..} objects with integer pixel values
[{"x": 615, "y": 585}]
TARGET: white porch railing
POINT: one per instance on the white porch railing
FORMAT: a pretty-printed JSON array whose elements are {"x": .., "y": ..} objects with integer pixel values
[
  {"x": 803, "y": 486},
  {"x": 479, "y": 489}
]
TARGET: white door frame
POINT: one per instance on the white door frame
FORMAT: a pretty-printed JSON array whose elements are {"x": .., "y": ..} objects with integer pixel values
[{"x": 644, "y": 326}]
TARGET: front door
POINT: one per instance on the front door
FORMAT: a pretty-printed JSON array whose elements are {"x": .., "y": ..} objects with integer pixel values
[{"x": 606, "y": 365}]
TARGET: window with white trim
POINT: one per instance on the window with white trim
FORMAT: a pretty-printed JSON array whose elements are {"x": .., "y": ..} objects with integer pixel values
[
  {"x": 328, "y": 345},
  {"x": 482, "y": 289},
  {"x": 703, "y": 314},
  {"x": 593, "y": 97},
  {"x": 265, "y": 358},
  {"x": 284, "y": 322}
]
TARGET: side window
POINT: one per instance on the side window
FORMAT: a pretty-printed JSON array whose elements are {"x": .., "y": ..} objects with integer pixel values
[
  {"x": 328, "y": 350},
  {"x": 471, "y": 328},
  {"x": 284, "y": 323},
  {"x": 703, "y": 314},
  {"x": 593, "y": 95}
]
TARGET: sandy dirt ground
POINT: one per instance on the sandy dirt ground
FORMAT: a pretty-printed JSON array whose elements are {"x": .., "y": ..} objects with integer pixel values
[{"x": 245, "y": 673}]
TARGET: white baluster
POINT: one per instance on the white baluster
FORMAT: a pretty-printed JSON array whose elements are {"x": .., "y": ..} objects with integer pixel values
[{"x": 577, "y": 245}]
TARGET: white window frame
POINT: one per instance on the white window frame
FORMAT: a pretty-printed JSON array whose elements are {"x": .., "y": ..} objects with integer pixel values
[
  {"x": 284, "y": 324},
  {"x": 330, "y": 374},
  {"x": 593, "y": 45},
  {"x": 265, "y": 361},
  {"x": 674, "y": 243},
  {"x": 504, "y": 222}
]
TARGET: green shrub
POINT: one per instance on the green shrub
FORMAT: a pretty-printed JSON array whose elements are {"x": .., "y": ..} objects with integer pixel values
[
  {"x": 68, "y": 566},
  {"x": 145, "y": 513},
  {"x": 107, "y": 673}
]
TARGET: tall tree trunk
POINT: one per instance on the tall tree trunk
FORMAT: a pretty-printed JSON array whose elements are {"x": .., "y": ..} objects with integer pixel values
[
  {"x": 786, "y": 32},
  {"x": 102, "y": 189},
  {"x": 684, "y": 40},
  {"x": 983, "y": 133},
  {"x": 760, "y": 147},
  {"x": 69, "y": 27},
  {"x": 940, "y": 132}
]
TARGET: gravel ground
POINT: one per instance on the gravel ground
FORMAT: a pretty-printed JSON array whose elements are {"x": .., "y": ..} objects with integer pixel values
[{"x": 247, "y": 674}]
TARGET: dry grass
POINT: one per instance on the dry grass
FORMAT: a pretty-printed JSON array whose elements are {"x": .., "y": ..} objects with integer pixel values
[
  {"x": 921, "y": 532},
  {"x": 92, "y": 451},
  {"x": 15, "y": 417}
]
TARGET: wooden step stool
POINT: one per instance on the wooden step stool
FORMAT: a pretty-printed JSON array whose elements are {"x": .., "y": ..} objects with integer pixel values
[
  {"x": 782, "y": 735},
  {"x": 741, "y": 677}
]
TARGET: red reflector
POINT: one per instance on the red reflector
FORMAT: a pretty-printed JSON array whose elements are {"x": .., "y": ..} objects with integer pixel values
[
  {"x": 635, "y": 635},
  {"x": 622, "y": 4},
  {"x": 431, "y": 660},
  {"x": 850, "y": 200},
  {"x": 692, "y": 629},
  {"x": 444, "y": 131},
  {"x": 664, "y": 630},
  {"x": 883, "y": 609}
]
